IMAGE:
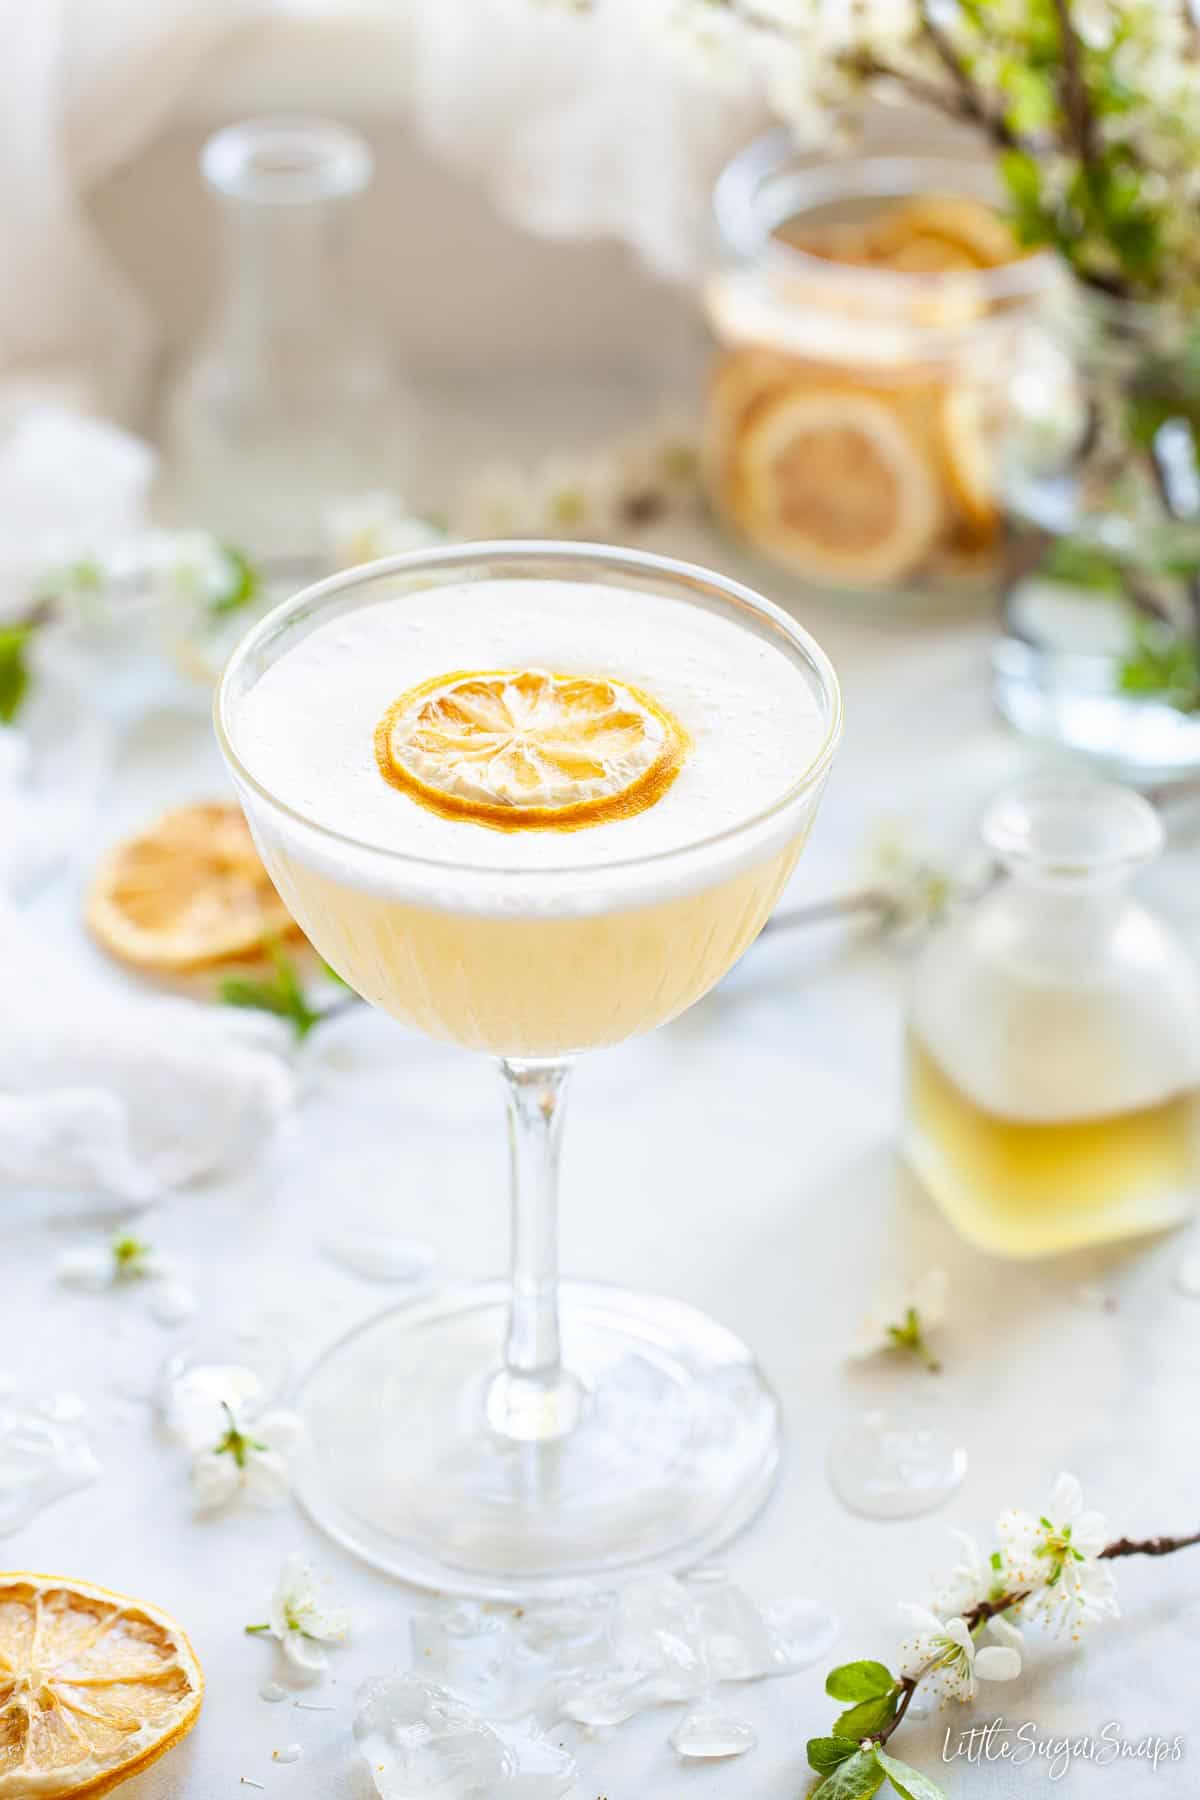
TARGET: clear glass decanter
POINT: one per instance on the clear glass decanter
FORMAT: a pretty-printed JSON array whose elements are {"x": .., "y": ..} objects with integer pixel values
[
  {"x": 289, "y": 402},
  {"x": 1053, "y": 1048}
]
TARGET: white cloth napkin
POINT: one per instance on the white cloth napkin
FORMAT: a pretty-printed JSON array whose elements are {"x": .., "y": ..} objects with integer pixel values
[{"x": 114, "y": 1098}]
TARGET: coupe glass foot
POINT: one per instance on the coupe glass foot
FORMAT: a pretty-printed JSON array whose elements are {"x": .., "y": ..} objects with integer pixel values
[{"x": 675, "y": 1448}]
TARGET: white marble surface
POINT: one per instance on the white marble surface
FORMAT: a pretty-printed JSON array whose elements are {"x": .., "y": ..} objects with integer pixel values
[{"x": 741, "y": 1159}]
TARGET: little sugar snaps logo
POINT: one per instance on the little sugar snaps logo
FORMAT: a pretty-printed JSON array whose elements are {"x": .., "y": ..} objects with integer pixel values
[{"x": 1023, "y": 1744}]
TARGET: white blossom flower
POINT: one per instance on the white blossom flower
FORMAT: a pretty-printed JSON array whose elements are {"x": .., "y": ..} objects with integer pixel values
[
  {"x": 249, "y": 1458},
  {"x": 943, "y": 1653},
  {"x": 971, "y": 1580},
  {"x": 371, "y": 525},
  {"x": 902, "y": 1320},
  {"x": 496, "y": 503},
  {"x": 915, "y": 889},
  {"x": 125, "y": 1257},
  {"x": 573, "y": 496},
  {"x": 303, "y": 1619},
  {"x": 1057, "y": 1556}
]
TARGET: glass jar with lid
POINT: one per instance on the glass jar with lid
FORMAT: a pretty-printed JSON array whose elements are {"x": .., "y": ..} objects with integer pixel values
[
  {"x": 867, "y": 313},
  {"x": 1053, "y": 1049}
]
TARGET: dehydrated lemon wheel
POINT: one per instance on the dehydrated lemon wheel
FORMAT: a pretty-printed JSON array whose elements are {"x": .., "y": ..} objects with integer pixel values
[
  {"x": 935, "y": 232},
  {"x": 520, "y": 749},
  {"x": 967, "y": 460},
  {"x": 835, "y": 482},
  {"x": 93, "y": 1688},
  {"x": 739, "y": 380},
  {"x": 188, "y": 892}
]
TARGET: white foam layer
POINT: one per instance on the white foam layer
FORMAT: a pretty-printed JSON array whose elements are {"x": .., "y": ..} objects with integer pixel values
[{"x": 306, "y": 729}]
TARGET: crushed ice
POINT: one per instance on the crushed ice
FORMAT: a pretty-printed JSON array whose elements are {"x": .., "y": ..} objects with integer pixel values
[
  {"x": 487, "y": 1681},
  {"x": 418, "y": 1738}
]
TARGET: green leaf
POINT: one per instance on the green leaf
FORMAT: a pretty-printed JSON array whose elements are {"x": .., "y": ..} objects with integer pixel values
[
  {"x": 859, "y": 1681},
  {"x": 14, "y": 669},
  {"x": 244, "y": 585},
  {"x": 1078, "y": 564},
  {"x": 1168, "y": 671},
  {"x": 909, "y": 1783},
  {"x": 855, "y": 1779},
  {"x": 826, "y": 1753},
  {"x": 865, "y": 1719}
]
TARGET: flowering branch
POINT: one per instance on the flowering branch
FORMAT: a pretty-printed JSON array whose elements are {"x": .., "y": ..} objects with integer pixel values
[{"x": 1047, "y": 1570}]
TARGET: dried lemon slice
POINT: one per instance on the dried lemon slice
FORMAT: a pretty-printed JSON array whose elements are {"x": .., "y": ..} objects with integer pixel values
[
  {"x": 833, "y": 480},
  {"x": 520, "y": 749},
  {"x": 934, "y": 232},
  {"x": 189, "y": 891},
  {"x": 740, "y": 379},
  {"x": 94, "y": 1687}
]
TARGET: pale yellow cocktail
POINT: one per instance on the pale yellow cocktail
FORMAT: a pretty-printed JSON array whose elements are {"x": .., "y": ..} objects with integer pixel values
[
  {"x": 531, "y": 798},
  {"x": 554, "y": 949}
]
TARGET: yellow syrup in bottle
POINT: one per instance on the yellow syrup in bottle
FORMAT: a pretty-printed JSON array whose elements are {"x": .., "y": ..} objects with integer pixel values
[
  {"x": 1022, "y": 1187},
  {"x": 1052, "y": 1063}
]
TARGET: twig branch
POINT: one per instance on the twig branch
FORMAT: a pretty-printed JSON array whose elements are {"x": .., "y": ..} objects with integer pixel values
[
  {"x": 990, "y": 1609},
  {"x": 969, "y": 98},
  {"x": 1077, "y": 105},
  {"x": 1159, "y": 1546}
]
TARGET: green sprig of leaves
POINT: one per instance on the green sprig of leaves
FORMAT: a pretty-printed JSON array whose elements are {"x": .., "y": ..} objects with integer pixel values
[
  {"x": 852, "y": 1762},
  {"x": 14, "y": 669},
  {"x": 1166, "y": 669},
  {"x": 281, "y": 993}
]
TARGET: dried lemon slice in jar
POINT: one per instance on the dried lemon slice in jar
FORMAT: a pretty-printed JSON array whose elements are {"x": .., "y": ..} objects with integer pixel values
[
  {"x": 833, "y": 481},
  {"x": 94, "y": 1688},
  {"x": 934, "y": 232},
  {"x": 521, "y": 749},
  {"x": 188, "y": 892}
]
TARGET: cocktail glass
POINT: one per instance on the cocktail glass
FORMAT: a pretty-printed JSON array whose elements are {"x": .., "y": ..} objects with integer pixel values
[{"x": 525, "y": 1437}]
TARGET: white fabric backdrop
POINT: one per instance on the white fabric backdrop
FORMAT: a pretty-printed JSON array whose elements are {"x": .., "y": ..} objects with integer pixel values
[{"x": 578, "y": 127}]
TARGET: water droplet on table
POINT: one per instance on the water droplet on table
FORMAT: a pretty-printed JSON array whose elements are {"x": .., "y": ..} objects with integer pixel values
[
  {"x": 895, "y": 1464},
  {"x": 272, "y": 1692},
  {"x": 709, "y": 1729},
  {"x": 291, "y": 1753},
  {"x": 380, "y": 1255},
  {"x": 171, "y": 1302}
]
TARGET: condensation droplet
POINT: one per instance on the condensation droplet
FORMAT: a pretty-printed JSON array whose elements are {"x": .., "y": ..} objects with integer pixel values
[
  {"x": 708, "y": 1730},
  {"x": 895, "y": 1465},
  {"x": 172, "y": 1302},
  {"x": 272, "y": 1692},
  {"x": 380, "y": 1255}
]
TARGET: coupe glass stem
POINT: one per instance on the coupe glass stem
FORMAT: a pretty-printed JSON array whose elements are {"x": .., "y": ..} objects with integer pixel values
[{"x": 533, "y": 1397}]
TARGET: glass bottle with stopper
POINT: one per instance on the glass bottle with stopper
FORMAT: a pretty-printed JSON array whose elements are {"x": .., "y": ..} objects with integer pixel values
[
  {"x": 289, "y": 402},
  {"x": 1053, "y": 1048}
]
